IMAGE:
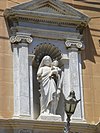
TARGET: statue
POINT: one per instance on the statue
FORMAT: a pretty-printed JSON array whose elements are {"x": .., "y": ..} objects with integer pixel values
[
  {"x": 58, "y": 71},
  {"x": 49, "y": 78}
]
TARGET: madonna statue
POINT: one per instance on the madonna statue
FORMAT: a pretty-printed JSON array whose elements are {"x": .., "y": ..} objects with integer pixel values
[{"x": 48, "y": 76}]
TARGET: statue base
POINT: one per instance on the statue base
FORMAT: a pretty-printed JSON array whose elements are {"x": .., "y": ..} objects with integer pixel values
[{"x": 49, "y": 117}]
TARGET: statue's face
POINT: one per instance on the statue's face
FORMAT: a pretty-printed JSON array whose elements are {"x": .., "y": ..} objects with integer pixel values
[
  {"x": 47, "y": 61},
  {"x": 55, "y": 63}
]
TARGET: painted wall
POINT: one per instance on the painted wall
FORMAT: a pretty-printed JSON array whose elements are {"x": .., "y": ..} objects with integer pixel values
[{"x": 90, "y": 62}]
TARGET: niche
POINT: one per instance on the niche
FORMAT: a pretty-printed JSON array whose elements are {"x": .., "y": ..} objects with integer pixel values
[{"x": 39, "y": 52}]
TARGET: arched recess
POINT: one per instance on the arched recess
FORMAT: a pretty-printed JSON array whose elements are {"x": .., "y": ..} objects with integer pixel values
[{"x": 40, "y": 51}]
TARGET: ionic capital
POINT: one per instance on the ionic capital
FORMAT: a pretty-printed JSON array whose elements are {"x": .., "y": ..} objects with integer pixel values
[
  {"x": 74, "y": 44},
  {"x": 21, "y": 38}
]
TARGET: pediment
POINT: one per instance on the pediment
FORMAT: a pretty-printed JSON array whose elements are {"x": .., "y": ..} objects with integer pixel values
[
  {"x": 52, "y": 12},
  {"x": 48, "y": 8},
  {"x": 55, "y": 7}
]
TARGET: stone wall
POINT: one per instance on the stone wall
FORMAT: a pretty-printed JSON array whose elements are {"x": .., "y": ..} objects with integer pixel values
[
  {"x": 6, "y": 79},
  {"x": 91, "y": 60}
]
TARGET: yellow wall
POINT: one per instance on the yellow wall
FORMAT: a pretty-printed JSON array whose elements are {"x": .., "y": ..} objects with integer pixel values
[
  {"x": 90, "y": 56},
  {"x": 6, "y": 80}
]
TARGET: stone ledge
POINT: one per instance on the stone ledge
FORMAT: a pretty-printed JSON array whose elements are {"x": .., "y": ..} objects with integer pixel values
[
  {"x": 31, "y": 124},
  {"x": 47, "y": 126}
]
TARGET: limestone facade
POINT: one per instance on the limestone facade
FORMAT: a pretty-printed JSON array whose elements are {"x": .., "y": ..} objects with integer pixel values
[{"x": 90, "y": 62}]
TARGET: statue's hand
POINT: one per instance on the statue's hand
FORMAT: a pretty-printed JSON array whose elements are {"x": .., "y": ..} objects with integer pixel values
[
  {"x": 50, "y": 75},
  {"x": 58, "y": 92},
  {"x": 39, "y": 77},
  {"x": 54, "y": 72}
]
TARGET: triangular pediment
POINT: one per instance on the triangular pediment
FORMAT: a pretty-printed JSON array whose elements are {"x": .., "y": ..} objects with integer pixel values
[
  {"x": 47, "y": 11},
  {"x": 55, "y": 7},
  {"x": 48, "y": 8}
]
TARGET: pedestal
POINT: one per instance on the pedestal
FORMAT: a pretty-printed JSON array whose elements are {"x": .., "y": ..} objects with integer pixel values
[{"x": 49, "y": 117}]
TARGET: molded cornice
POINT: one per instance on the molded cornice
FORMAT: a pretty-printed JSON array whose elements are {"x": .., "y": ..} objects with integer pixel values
[{"x": 48, "y": 126}]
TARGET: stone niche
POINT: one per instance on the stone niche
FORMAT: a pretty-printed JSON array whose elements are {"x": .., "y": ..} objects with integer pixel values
[{"x": 36, "y": 29}]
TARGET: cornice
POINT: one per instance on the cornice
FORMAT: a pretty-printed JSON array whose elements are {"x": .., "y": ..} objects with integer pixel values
[
  {"x": 98, "y": 127},
  {"x": 50, "y": 34},
  {"x": 46, "y": 125},
  {"x": 57, "y": 5},
  {"x": 31, "y": 124},
  {"x": 44, "y": 17}
]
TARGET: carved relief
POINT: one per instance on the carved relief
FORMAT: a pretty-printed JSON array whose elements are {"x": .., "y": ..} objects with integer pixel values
[
  {"x": 21, "y": 38},
  {"x": 46, "y": 49}
]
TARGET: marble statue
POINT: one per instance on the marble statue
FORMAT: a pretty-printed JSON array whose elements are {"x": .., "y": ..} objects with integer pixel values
[{"x": 49, "y": 78}]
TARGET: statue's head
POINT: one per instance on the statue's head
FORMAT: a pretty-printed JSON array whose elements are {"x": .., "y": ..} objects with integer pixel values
[
  {"x": 55, "y": 63},
  {"x": 46, "y": 61}
]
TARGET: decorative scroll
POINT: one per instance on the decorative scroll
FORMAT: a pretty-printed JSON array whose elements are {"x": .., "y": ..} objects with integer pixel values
[
  {"x": 21, "y": 38},
  {"x": 74, "y": 44}
]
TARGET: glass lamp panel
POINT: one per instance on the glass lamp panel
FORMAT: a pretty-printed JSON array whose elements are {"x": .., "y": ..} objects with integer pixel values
[
  {"x": 67, "y": 107},
  {"x": 73, "y": 106}
]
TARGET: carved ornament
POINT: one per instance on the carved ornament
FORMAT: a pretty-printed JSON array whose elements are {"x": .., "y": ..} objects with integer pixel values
[
  {"x": 21, "y": 38},
  {"x": 74, "y": 44}
]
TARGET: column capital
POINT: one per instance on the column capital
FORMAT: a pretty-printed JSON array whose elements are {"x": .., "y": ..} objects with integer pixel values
[
  {"x": 74, "y": 44},
  {"x": 21, "y": 37}
]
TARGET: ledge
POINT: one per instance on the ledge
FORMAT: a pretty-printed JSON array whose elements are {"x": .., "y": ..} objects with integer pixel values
[{"x": 42, "y": 126}]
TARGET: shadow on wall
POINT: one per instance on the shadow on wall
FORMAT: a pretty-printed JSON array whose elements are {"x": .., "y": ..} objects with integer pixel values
[
  {"x": 86, "y": 7},
  {"x": 89, "y": 2},
  {"x": 90, "y": 51}
]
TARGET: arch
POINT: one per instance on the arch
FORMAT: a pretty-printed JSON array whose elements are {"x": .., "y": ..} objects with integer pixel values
[{"x": 46, "y": 49}]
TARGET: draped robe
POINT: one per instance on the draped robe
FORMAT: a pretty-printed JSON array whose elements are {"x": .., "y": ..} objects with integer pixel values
[{"x": 47, "y": 87}]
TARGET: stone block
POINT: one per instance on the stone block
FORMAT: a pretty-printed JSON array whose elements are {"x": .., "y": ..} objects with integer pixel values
[{"x": 49, "y": 117}]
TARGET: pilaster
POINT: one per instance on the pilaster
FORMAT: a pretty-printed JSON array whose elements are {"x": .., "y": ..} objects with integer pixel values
[
  {"x": 75, "y": 77},
  {"x": 22, "y": 107}
]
